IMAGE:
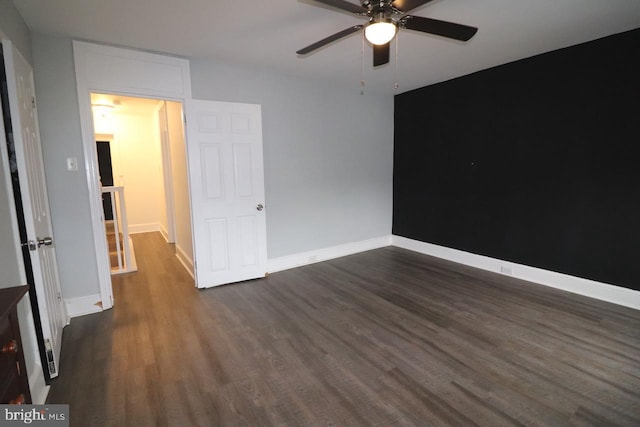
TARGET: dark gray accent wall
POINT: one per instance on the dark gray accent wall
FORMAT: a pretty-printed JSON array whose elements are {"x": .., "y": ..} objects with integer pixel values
[{"x": 534, "y": 162}]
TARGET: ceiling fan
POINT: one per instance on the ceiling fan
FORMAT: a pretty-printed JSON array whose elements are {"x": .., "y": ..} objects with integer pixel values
[{"x": 385, "y": 18}]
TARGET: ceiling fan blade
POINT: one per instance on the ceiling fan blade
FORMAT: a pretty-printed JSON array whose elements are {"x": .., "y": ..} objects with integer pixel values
[
  {"x": 330, "y": 39},
  {"x": 441, "y": 28},
  {"x": 407, "y": 5},
  {"x": 345, "y": 5},
  {"x": 381, "y": 54}
]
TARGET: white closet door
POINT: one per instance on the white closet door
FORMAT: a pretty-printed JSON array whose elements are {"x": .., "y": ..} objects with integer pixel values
[{"x": 35, "y": 202}]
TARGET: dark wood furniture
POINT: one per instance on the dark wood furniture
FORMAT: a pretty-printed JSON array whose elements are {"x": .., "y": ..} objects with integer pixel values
[{"x": 14, "y": 385}]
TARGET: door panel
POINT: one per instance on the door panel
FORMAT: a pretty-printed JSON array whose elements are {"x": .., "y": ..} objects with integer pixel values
[
  {"x": 35, "y": 202},
  {"x": 218, "y": 246},
  {"x": 242, "y": 154},
  {"x": 227, "y": 185},
  {"x": 247, "y": 240},
  {"x": 213, "y": 170}
]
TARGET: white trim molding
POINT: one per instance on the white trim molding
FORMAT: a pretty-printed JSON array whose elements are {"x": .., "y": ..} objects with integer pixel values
[
  {"x": 83, "y": 305},
  {"x": 165, "y": 233},
  {"x": 577, "y": 285},
  {"x": 109, "y": 69},
  {"x": 149, "y": 227},
  {"x": 324, "y": 254},
  {"x": 185, "y": 260}
]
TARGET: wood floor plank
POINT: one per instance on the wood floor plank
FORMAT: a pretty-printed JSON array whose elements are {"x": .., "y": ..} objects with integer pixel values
[{"x": 382, "y": 338}]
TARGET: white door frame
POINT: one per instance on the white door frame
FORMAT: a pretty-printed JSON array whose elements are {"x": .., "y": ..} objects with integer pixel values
[
  {"x": 167, "y": 176},
  {"x": 107, "y": 69}
]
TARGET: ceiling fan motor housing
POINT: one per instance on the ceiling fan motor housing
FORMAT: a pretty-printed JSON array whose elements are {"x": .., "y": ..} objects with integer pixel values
[{"x": 381, "y": 9}]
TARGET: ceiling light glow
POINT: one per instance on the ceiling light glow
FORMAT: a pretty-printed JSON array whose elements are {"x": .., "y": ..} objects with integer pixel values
[
  {"x": 102, "y": 110},
  {"x": 379, "y": 33}
]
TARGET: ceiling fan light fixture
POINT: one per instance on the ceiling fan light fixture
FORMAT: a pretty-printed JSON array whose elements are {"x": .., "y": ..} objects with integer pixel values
[
  {"x": 103, "y": 109},
  {"x": 380, "y": 32},
  {"x": 386, "y": 18}
]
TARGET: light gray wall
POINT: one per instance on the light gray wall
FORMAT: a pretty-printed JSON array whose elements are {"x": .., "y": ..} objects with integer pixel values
[
  {"x": 12, "y": 26},
  {"x": 59, "y": 118},
  {"x": 328, "y": 154}
]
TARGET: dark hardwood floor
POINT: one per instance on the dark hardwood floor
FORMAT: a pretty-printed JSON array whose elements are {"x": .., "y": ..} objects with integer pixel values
[{"x": 386, "y": 337}]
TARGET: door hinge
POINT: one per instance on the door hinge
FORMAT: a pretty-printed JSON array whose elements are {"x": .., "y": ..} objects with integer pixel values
[
  {"x": 184, "y": 118},
  {"x": 33, "y": 102},
  {"x": 50, "y": 360}
]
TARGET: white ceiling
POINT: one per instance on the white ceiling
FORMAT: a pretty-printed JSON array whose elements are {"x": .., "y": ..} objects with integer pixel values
[
  {"x": 127, "y": 105},
  {"x": 266, "y": 33}
]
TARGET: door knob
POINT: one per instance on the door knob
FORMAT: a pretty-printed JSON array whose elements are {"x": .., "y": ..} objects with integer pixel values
[
  {"x": 46, "y": 241},
  {"x": 259, "y": 207}
]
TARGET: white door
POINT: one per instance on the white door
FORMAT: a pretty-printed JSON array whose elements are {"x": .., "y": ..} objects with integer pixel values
[
  {"x": 227, "y": 191},
  {"x": 35, "y": 203}
]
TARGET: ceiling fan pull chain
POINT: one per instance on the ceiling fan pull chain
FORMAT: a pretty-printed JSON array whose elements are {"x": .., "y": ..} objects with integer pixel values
[
  {"x": 395, "y": 84},
  {"x": 362, "y": 66}
]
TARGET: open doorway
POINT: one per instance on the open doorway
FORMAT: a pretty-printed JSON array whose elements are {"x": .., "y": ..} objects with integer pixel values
[{"x": 141, "y": 152}]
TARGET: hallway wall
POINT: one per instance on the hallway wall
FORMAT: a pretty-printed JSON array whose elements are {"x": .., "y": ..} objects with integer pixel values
[{"x": 136, "y": 157}]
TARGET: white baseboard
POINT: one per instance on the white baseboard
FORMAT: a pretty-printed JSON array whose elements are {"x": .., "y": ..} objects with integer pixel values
[
  {"x": 185, "y": 260},
  {"x": 144, "y": 228},
  {"x": 577, "y": 285},
  {"x": 83, "y": 305},
  {"x": 324, "y": 254},
  {"x": 164, "y": 233}
]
